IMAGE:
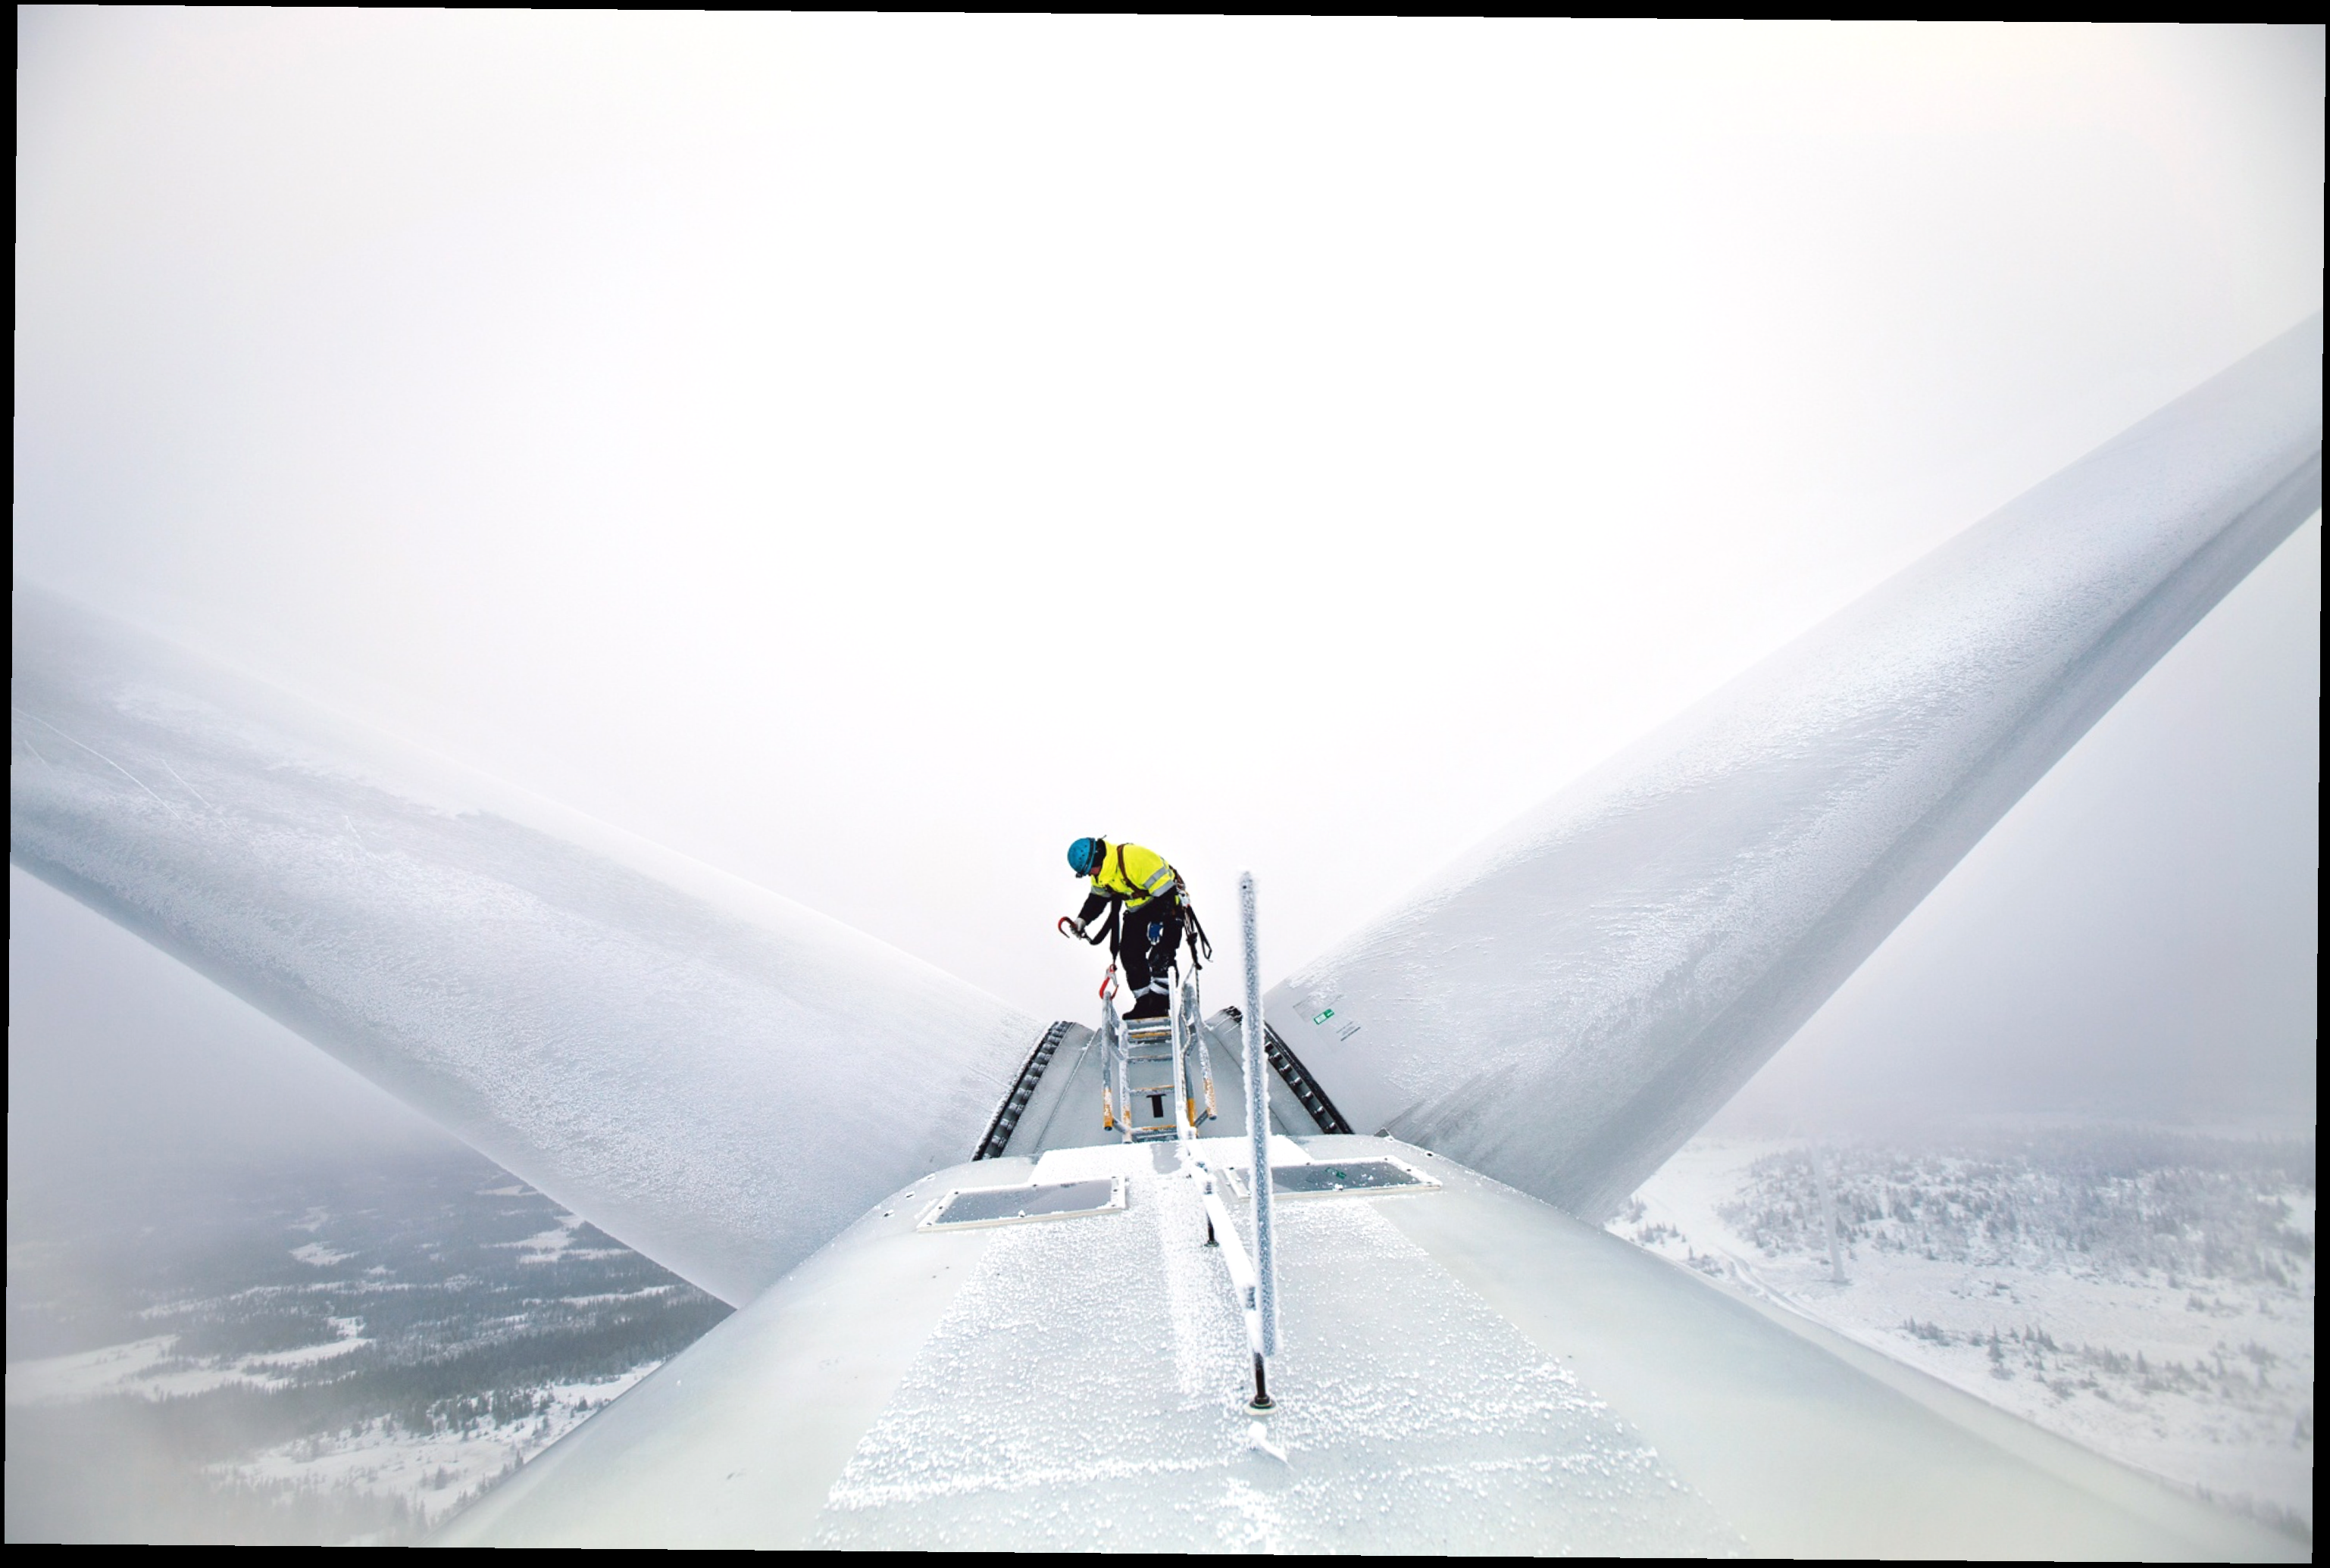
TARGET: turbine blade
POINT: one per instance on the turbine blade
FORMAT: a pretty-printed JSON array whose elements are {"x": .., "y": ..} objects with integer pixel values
[
  {"x": 1567, "y": 1003},
  {"x": 717, "y": 1075}
]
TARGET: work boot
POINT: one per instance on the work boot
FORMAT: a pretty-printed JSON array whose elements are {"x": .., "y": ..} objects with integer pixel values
[{"x": 1154, "y": 1004}]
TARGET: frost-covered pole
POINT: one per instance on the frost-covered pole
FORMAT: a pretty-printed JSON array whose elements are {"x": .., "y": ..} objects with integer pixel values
[{"x": 1257, "y": 1123}]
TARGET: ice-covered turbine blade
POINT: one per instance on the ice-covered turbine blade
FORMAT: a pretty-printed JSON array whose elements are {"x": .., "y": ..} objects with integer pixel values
[
  {"x": 712, "y": 1073},
  {"x": 1566, "y": 1004}
]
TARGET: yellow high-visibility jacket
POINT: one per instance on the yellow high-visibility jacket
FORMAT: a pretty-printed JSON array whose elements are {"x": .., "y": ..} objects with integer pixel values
[{"x": 1132, "y": 873}]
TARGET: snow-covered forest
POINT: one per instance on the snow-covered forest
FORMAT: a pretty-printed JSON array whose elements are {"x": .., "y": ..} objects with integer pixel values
[
  {"x": 2147, "y": 1293},
  {"x": 2112, "y": 1203},
  {"x": 340, "y": 1355}
]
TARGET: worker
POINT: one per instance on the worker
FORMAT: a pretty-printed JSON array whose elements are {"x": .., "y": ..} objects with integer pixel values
[{"x": 1146, "y": 902}]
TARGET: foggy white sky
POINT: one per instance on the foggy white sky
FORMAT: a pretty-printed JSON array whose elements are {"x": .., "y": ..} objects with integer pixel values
[{"x": 863, "y": 452}]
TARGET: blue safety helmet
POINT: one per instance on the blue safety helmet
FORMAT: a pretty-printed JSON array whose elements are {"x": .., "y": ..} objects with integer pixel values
[{"x": 1084, "y": 855}]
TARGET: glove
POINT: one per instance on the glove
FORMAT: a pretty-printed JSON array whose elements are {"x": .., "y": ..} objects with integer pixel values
[{"x": 1072, "y": 927}]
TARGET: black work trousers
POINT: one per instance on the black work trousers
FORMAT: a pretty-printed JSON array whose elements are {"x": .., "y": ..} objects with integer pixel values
[{"x": 1147, "y": 939}]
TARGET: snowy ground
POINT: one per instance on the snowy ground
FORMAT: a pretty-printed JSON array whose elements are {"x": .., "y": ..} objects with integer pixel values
[
  {"x": 434, "y": 1471},
  {"x": 2149, "y": 1296},
  {"x": 434, "y": 1467},
  {"x": 334, "y": 1357}
]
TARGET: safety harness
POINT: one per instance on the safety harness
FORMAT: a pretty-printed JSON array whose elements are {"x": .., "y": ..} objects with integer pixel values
[{"x": 1201, "y": 946}]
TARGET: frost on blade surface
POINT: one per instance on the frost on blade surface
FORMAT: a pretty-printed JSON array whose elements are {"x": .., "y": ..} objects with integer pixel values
[
  {"x": 1087, "y": 1389},
  {"x": 1566, "y": 1005},
  {"x": 709, "y": 1072}
]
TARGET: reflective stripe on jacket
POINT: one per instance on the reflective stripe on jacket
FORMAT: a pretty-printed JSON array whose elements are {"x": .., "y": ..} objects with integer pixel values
[{"x": 1134, "y": 874}]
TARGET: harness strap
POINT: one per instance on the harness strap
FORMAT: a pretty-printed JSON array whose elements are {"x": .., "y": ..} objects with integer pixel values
[
  {"x": 1143, "y": 892},
  {"x": 1201, "y": 946}
]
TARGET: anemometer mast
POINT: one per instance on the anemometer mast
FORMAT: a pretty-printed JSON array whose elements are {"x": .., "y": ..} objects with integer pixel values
[
  {"x": 1262, "y": 1320},
  {"x": 1153, "y": 1061}
]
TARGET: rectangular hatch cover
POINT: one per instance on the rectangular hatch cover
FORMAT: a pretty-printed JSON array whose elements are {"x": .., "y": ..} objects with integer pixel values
[
  {"x": 1323, "y": 1178},
  {"x": 964, "y": 1207}
]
